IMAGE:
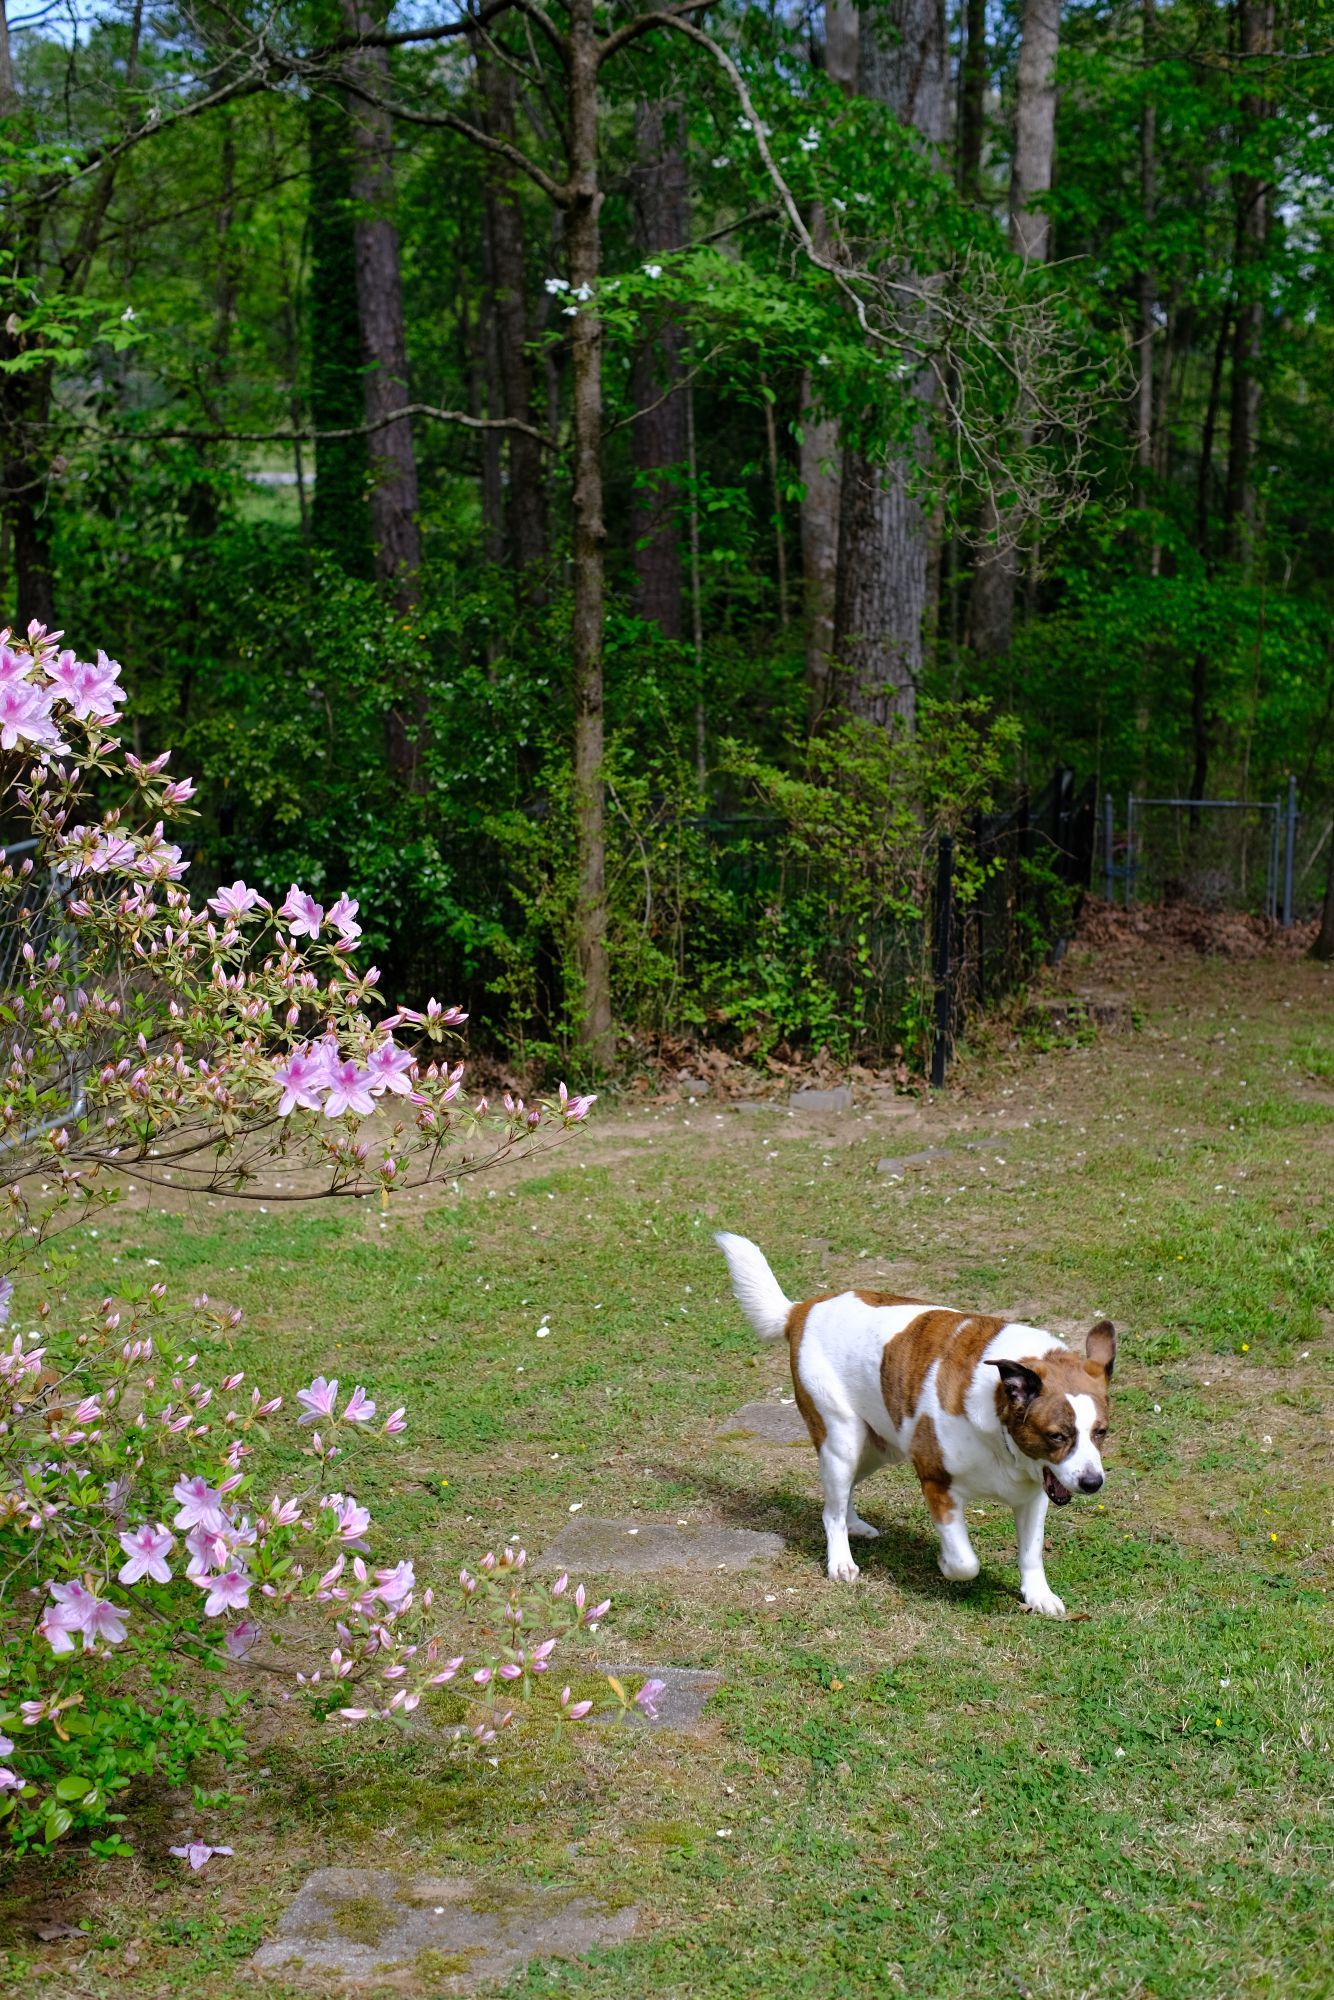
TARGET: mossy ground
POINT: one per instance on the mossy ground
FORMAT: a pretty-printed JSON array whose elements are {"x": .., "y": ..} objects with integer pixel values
[{"x": 903, "y": 1786}]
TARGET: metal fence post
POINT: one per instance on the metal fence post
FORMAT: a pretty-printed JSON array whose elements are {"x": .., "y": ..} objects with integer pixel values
[
  {"x": 1130, "y": 849},
  {"x": 944, "y": 927},
  {"x": 1289, "y": 852},
  {"x": 1271, "y": 872},
  {"x": 1108, "y": 836}
]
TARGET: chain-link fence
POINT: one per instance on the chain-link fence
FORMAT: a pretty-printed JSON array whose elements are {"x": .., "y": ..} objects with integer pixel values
[
  {"x": 1259, "y": 856},
  {"x": 32, "y": 913}
]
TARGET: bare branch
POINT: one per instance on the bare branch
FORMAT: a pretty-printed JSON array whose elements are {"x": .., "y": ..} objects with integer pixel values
[
  {"x": 449, "y": 121},
  {"x": 634, "y": 31},
  {"x": 185, "y": 436},
  {"x": 675, "y": 390}
]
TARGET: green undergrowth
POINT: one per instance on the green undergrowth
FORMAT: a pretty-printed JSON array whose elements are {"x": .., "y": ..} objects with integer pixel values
[{"x": 904, "y": 1786}]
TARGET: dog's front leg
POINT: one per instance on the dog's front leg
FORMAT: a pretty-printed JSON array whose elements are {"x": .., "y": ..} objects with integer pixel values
[{"x": 1030, "y": 1520}]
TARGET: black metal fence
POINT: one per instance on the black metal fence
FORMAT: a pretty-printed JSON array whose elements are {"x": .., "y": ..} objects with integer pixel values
[{"x": 1008, "y": 905}]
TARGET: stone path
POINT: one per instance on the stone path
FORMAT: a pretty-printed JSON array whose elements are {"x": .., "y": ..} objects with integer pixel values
[
  {"x": 679, "y": 1706},
  {"x": 632, "y": 1548},
  {"x": 776, "y": 1423},
  {"x": 446, "y": 1932}
]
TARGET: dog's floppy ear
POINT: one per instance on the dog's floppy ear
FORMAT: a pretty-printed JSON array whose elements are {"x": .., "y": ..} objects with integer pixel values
[
  {"x": 1020, "y": 1383},
  {"x": 1100, "y": 1346}
]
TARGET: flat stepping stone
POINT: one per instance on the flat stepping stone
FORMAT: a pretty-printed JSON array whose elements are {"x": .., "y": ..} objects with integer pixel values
[
  {"x": 777, "y": 1423},
  {"x": 900, "y": 1166},
  {"x": 633, "y": 1548},
  {"x": 839, "y": 1099},
  {"x": 361, "y": 1924},
  {"x": 679, "y": 1706}
]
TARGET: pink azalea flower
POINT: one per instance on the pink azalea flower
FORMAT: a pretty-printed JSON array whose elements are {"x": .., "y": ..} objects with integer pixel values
[
  {"x": 352, "y": 1520},
  {"x": 197, "y": 1852},
  {"x": 13, "y": 666},
  {"x": 572, "y": 1109},
  {"x": 229, "y": 1592},
  {"x": 388, "y": 1067},
  {"x": 304, "y": 1078},
  {"x": 349, "y": 1090},
  {"x": 147, "y": 1549},
  {"x": 318, "y": 1400},
  {"x": 302, "y": 912},
  {"x": 648, "y": 1695},
  {"x": 343, "y": 917},
  {"x": 359, "y": 1409},
  {"x": 208, "y": 1551},
  {"x": 25, "y": 711},
  {"x": 241, "y": 1638},
  {"x": 238, "y": 901},
  {"x": 575, "y": 1710},
  {"x": 200, "y": 1506},
  {"x": 90, "y": 690},
  {"x": 106, "y": 1621},
  {"x": 396, "y": 1423},
  {"x": 393, "y": 1585}
]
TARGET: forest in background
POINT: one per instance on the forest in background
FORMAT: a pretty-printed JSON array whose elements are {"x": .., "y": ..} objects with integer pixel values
[{"x": 607, "y": 486}]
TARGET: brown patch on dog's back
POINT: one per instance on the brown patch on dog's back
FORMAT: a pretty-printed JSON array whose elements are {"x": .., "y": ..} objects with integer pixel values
[
  {"x": 796, "y": 1327},
  {"x": 958, "y": 1364},
  {"x": 884, "y": 1299},
  {"x": 956, "y": 1340},
  {"x": 907, "y": 1358},
  {"x": 929, "y": 1465}
]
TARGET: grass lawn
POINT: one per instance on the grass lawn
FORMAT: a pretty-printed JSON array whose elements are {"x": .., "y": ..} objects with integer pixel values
[{"x": 903, "y": 1785}]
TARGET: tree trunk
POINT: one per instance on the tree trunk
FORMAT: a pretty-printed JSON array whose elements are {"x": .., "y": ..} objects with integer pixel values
[
  {"x": 662, "y": 222},
  {"x": 821, "y": 453},
  {"x": 884, "y": 553},
  {"x": 1256, "y": 35},
  {"x": 584, "y": 252},
  {"x": 526, "y": 515},
  {"x": 1148, "y": 172},
  {"x": 394, "y": 528},
  {"x": 1323, "y": 948},
  {"x": 991, "y": 600},
  {"x": 1199, "y": 673},
  {"x": 338, "y": 517},
  {"x": 973, "y": 99}
]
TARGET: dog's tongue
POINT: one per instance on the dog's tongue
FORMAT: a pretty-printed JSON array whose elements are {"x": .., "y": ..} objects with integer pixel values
[{"x": 1056, "y": 1493}]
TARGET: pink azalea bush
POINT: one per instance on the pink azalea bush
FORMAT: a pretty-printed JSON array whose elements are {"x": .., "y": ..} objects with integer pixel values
[{"x": 156, "y": 1522}]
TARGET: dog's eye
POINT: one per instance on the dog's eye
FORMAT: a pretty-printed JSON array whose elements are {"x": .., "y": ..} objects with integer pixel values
[
  {"x": 1058, "y": 1437},
  {"x": 1100, "y": 1435}
]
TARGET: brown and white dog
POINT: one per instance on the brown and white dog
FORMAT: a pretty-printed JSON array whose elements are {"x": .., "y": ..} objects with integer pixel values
[{"x": 984, "y": 1408}]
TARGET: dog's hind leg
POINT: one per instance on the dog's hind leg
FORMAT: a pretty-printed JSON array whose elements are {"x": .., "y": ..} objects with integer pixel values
[
  {"x": 871, "y": 1459},
  {"x": 840, "y": 1457}
]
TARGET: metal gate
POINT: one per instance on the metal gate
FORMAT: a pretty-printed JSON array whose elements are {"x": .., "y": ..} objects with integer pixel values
[{"x": 1219, "y": 853}]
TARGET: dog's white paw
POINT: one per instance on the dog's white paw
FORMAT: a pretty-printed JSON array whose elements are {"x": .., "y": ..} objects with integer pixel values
[
  {"x": 1045, "y": 1602},
  {"x": 960, "y": 1569},
  {"x": 844, "y": 1572},
  {"x": 859, "y": 1527}
]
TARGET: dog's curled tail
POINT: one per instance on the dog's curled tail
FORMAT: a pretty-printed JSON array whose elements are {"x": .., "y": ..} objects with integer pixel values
[{"x": 758, "y": 1292}]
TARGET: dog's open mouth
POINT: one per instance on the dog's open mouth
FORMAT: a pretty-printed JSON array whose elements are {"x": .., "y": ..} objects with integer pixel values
[{"x": 1056, "y": 1493}]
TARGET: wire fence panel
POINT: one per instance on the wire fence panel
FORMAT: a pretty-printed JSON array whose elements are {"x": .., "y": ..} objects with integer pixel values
[
  {"x": 32, "y": 912},
  {"x": 1219, "y": 854}
]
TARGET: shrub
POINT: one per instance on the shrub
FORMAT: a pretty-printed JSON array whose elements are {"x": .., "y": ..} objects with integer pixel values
[{"x": 209, "y": 1047}]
